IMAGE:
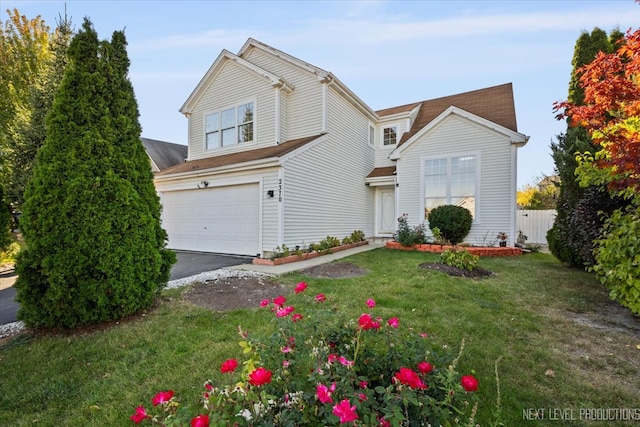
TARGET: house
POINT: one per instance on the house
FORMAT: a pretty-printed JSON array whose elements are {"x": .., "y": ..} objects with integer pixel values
[
  {"x": 282, "y": 152},
  {"x": 162, "y": 154}
]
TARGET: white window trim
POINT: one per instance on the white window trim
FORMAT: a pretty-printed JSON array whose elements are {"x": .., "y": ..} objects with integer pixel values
[
  {"x": 220, "y": 110},
  {"x": 381, "y": 135},
  {"x": 371, "y": 143},
  {"x": 478, "y": 217}
]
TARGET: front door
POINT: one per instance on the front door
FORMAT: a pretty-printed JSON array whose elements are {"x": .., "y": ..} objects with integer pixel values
[{"x": 387, "y": 211}]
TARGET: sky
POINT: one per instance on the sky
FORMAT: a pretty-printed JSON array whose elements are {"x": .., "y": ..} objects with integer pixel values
[{"x": 389, "y": 53}]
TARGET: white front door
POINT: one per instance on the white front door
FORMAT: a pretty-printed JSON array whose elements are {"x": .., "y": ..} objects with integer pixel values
[{"x": 386, "y": 211}]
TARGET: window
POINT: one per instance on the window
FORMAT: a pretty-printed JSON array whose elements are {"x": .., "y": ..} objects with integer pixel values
[
  {"x": 229, "y": 127},
  {"x": 450, "y": 181},
  {"x": 389, "y": 136},
  {"x": 372, "y": 136}
]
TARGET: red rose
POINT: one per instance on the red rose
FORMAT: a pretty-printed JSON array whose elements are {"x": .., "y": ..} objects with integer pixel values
[
  {"x": 300, "y": 287},
  {"x": 469, "y": 383},
  {"x": 425, "y": 367},
  {"x": 345, "y": 412},
  {"x": 162, "y": 397},
  {"x": 321, "y": 298},
  {"x": 139, "y": 415},
  {"x": 279, "y": 300},
  {"x": 260, "y": 376},
  {"x": 229, "y": 365},
  {"x": 409, "y": 377},
  {"x": 200, "y": 421}
]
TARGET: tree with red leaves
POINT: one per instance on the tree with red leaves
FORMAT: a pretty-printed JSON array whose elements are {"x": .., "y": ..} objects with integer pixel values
[{"x": 611, "y": 113}]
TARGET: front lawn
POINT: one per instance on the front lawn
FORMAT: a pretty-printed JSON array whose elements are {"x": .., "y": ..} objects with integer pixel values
[{"x": 562, "y": 351}]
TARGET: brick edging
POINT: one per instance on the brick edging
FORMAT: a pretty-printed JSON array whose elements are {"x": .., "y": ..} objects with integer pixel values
[{"x": 476, "y": 250}]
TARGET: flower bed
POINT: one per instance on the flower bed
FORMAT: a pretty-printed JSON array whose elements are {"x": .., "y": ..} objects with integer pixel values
[
  {"x": 305, "y": 256},
  {"x": 475, "y": 250},
  {"x": 320, "y": 367}
]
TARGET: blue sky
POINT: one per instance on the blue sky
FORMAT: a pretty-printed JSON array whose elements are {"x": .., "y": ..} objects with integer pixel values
[{"x": 389, "y": 53}]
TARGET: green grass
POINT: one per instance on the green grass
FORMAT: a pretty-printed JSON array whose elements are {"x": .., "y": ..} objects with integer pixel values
[{"x": 522, "y": 317}]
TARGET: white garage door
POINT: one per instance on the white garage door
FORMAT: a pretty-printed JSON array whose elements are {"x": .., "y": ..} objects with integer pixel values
[{"x": 221, "y": 219}]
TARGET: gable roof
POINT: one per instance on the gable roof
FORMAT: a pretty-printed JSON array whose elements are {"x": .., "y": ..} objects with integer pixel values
[
  {"x": 272, "y": 152},
  {"x": 164, "y": 154},
  {"x": 493, "y": 103}
]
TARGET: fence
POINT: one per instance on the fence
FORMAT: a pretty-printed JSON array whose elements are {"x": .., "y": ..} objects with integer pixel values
[{"x": 535, "y": 224}]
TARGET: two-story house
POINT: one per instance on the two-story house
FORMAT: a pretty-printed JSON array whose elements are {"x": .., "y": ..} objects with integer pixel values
[{"x": 282, "y": 152}]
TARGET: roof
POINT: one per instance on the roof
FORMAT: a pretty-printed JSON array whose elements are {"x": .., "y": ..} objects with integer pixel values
[
  {"x": 493, "y": 103},
  {"x": 380, "y": 172},
  {"x": 164, "y": 154},
  {"x": 274, "y": 151}
]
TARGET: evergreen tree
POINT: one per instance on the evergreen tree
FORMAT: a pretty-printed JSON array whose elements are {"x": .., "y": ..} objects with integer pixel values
[
  {"x": 95, "y": 250},
  {"x": 565, "y": 240}
]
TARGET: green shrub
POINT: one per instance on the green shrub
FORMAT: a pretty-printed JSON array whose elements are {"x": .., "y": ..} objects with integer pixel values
[
  {"x": 407, "y": 236},
  {"x": 454, "y": 222},
  {"x": 460, "y": 258},
  {"x": 95, "y": 250},
  {"x": 617, "y": 257},
  {"x": 357, "y": 236}
]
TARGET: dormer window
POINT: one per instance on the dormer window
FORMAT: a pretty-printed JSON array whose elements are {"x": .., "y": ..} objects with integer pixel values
[
  {"x": 389, "y": 136},
  {"x": 230, "y": 126}
]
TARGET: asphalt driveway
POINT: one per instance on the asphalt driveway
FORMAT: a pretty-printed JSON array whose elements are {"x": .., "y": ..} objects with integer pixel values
[{"x": 188, "y": 264}]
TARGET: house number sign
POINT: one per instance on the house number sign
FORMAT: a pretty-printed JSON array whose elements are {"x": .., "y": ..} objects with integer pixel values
[{"x": 280, "y": 190}]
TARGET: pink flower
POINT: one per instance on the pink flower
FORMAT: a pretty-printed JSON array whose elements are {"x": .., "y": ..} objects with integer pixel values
[
  {"x": 366, "y": 322},
  {"x": 371, "y": 303},
  {"x": 425, "y": 367},
  {"x": 384, "y": 423},
  {"x": 279, "y": 300},
  {"x": 345, "y": 412},
  {"x": 320, "y": 298},
  {"x": 200, "y": 421},
  {"x": 264, "y": 303},
  {"x": 300, "y": 287},
  {"x": 409, "y": 377},
  {"x": 162, "y": 397},
  {"x": 361, "y": 397},
  {"x": 424, "y": 335},
  {"x": 363, "y": 384},
  {"x": 394, "y": 322},
  {"x": 139, "y": 415},
  {"x": 260, "y": 376},
  {"x": 323, "y": 393},
  {"x": 296, "y": 317},
  {"x": 343, "y": 360},
  {"x": 284, "y": 312},
  {"x": 228, "y": 365},
  {"x": 332, "y": 358},
  {"x": 469, "y": 383},
  {"x": 286, "y": 349},
  {"x": 285, "y": 363}
]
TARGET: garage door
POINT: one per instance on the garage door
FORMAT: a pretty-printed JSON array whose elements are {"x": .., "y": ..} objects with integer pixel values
[{"x": 220, "y": 219}]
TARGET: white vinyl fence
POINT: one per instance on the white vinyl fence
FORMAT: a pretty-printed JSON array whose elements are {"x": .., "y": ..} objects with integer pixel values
[{"x": 535, "y": 224}]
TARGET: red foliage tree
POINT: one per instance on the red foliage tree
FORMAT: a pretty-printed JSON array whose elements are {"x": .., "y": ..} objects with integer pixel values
[{"x": 611, "y": 112}]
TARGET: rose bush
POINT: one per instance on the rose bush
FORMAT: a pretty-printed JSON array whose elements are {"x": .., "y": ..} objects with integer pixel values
[{"x": 322, "y": 368}]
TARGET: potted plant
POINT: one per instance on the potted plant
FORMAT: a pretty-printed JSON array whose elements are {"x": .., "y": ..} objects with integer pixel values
[{"x": 502, "y": 238}]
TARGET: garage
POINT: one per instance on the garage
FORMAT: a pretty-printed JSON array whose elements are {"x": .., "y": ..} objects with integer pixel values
[{"x": 213, "y": 219}]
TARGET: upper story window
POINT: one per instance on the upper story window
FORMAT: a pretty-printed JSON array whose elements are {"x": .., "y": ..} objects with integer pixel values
[
  {"x": 450, "y": 181},
  {"x": 390, "y": 136},
  {"x": 229, "y": 127}
]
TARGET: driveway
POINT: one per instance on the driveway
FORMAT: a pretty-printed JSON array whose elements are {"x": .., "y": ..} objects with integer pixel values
[{"x": 188, "y": 264}]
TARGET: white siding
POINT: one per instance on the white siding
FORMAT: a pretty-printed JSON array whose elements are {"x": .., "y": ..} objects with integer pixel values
[
  {"x": 382, "y": 152},
  {"x": 324, "y": 189},
  {"x": 233, "y": 85},
  {"x": 304, "y": 103},
  {"x": 459, "y": 136}
]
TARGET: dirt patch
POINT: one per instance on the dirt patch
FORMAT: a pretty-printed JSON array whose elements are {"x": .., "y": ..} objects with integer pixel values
[
  {"x": 476, "y": 273},
  {"x": 337, "y": 270},
  {"x": 233, "y": 293}
]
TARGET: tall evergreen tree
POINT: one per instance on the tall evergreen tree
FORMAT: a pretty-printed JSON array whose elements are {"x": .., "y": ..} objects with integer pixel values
[
  {"x": 91, "y": 218},
  {"x": 578, "y": 220}
]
